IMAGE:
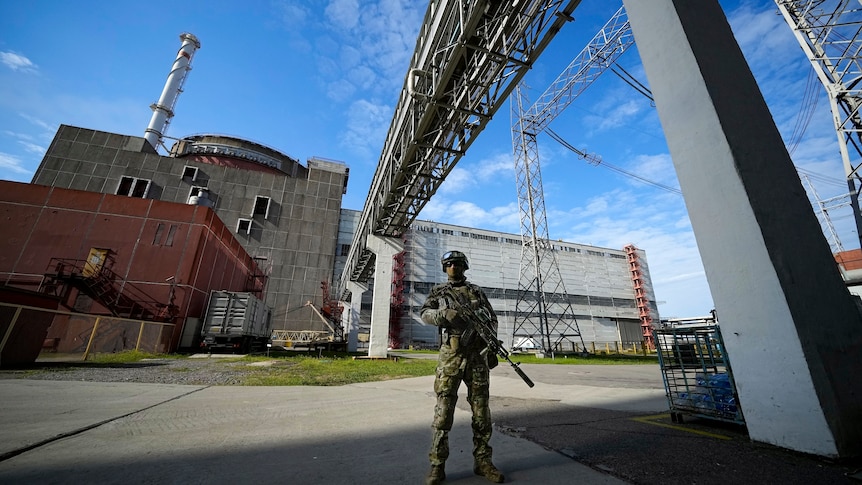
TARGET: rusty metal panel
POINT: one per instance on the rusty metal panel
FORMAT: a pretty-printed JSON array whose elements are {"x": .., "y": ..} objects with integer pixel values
[
  {"x": 171, "y": 211},
  {"x": 74, "y": 199},
  {"x": 23, "y": 193},
  {"x": 58, "y": 233},
  {"x": 122, "y": 205}
]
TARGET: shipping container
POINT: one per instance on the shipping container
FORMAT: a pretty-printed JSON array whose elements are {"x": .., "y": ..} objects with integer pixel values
[{"x": 239, "y": 322}]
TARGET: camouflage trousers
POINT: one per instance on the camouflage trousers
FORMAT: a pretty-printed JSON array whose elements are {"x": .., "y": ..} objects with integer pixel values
[{"x": 452, "y": 368}]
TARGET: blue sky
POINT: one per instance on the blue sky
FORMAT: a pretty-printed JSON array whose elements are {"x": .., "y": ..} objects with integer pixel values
[{"x": 321, "y": 78}]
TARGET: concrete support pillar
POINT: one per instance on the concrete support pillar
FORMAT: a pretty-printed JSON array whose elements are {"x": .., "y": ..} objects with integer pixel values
[
  {"x": 792, "y": 330},
  {"x": 384, "y": 248},
  {"x": 350, "y": 316}
]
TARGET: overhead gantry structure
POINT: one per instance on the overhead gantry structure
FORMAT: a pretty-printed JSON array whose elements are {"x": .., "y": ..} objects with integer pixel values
[
  {"x": 469, "y": 57},
  {"x": 544, "y": 317}
]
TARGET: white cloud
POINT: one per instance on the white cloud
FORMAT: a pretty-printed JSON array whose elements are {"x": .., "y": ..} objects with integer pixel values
[
  {"x": 17, "y": 62},
  {"x": 764, "y": 37},
  {"x": 360, "y": 48},
  {"x": 38, "y": 122},
  {"x": 363, "y": 77},
  {"x": 463, "y": 213},
  {"x": 32, "y": 147},
  {"x": 647, "y": 170},
  {"x": 471, "y": 175},
  {"x": 12, "y": 163},
  {"x": 340, "y": 90},
  {"x": 367, "y": 123},
  {"x": 657, "y": 224},
  {"x": 621, "y": 115},
  {"x": 380, "y": 39},
  {"x": 500, "y": 165},
  {"x": 458, "y": 180},
  {"x": 342, "y": 13}
]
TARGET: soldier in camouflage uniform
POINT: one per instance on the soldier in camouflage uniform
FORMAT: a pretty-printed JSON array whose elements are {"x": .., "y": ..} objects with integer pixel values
[{"x": 461, "y": 358}]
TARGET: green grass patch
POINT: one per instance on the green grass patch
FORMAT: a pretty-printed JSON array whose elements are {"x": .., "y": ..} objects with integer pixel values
[
  {"x": 340, "y": 368},
  {"x": 570, "y": 358},
  {"x": 128, "y": 356},
  {"x": 335, "y": 371}
]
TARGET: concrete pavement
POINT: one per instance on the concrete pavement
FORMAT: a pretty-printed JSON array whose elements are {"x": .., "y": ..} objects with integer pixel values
[
  {"x": 579, "y": 424},
  {"x": 76, "y": 432}
]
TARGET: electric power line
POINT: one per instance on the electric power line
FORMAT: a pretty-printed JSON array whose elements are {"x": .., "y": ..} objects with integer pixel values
[
  {"x": 634, "y": 83},
  {"x": 597, "y": 161}
]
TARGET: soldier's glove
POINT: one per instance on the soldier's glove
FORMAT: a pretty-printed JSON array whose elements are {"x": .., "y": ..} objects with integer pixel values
[{"x": 453, "y": 318}]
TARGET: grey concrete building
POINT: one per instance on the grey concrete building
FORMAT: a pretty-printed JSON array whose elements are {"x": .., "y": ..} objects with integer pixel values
[
  {"x": 285, "y": 214},
  {"x": 598, "y": 282}
]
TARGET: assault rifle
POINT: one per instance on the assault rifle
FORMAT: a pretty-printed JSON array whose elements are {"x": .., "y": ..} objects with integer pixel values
[{"x": 481, "y": 323}]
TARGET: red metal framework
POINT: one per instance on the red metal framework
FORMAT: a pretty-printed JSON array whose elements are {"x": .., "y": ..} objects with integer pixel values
[
  {"x": 396, "y": 310},
  {"x": 119, "y": 297},
  {"x": 332, "y": 310},
  {"x": 640, "y": 295}
]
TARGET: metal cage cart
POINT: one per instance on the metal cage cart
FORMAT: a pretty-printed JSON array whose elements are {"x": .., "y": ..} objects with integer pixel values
[{"x": 696, "y": 373}]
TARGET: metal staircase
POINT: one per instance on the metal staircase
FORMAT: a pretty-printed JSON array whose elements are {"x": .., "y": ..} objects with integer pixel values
[{"x": 121, "y": 298}]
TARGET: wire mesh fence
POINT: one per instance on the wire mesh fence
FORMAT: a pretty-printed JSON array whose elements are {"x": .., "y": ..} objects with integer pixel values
[{"x": 30, "y": 331}]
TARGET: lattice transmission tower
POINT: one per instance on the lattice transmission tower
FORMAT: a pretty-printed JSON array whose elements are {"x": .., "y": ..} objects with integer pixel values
[
  {"x": 829, "y": 33},
  {"x": 822, "y": 212},
  {"x": 543, "y": 314}
]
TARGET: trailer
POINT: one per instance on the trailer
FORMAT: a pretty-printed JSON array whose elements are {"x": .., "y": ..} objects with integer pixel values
[
  {"x": 236, "y": 322},
  {"x": 331, "y": 340}
]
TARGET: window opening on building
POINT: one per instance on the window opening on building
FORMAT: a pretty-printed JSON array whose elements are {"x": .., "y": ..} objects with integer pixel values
[
  {"x": 158, "y": 237},
  {"x": 243, "y": 226},
  {"x": 484, "y": 237},
  {"x": 190, "y": 173},
  {"x": 261, "y": 206},
  {"x": 133, "y": 187},
  {"x": 170, "y": 239}
]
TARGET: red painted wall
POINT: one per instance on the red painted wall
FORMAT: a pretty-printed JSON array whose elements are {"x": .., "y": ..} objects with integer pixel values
[{"x": 160, "y": 247}]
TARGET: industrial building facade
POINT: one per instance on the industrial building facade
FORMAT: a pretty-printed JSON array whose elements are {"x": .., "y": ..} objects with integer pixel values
[
  {"x": 599, "y": 283},
  {"x": 285, "y": 215},
  {"x": 288, "y": 219},
  {"x": 101, "y": 254}
]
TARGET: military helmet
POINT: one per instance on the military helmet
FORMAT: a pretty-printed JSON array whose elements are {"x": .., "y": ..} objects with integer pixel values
[{"x": 453, "y": 257}]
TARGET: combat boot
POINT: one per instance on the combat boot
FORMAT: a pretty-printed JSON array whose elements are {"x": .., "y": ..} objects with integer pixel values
[
  {"x": 436, "y": 475},
  {"x": 484, "y": 468}
]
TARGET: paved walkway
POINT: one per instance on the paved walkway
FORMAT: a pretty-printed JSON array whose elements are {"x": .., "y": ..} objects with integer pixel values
[
  {"x": 374, "y": 433},
  {"x": 85, "y": 432}
]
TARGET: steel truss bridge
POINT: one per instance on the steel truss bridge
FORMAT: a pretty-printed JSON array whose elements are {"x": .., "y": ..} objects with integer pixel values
[{"x": 469, "y": 56}]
